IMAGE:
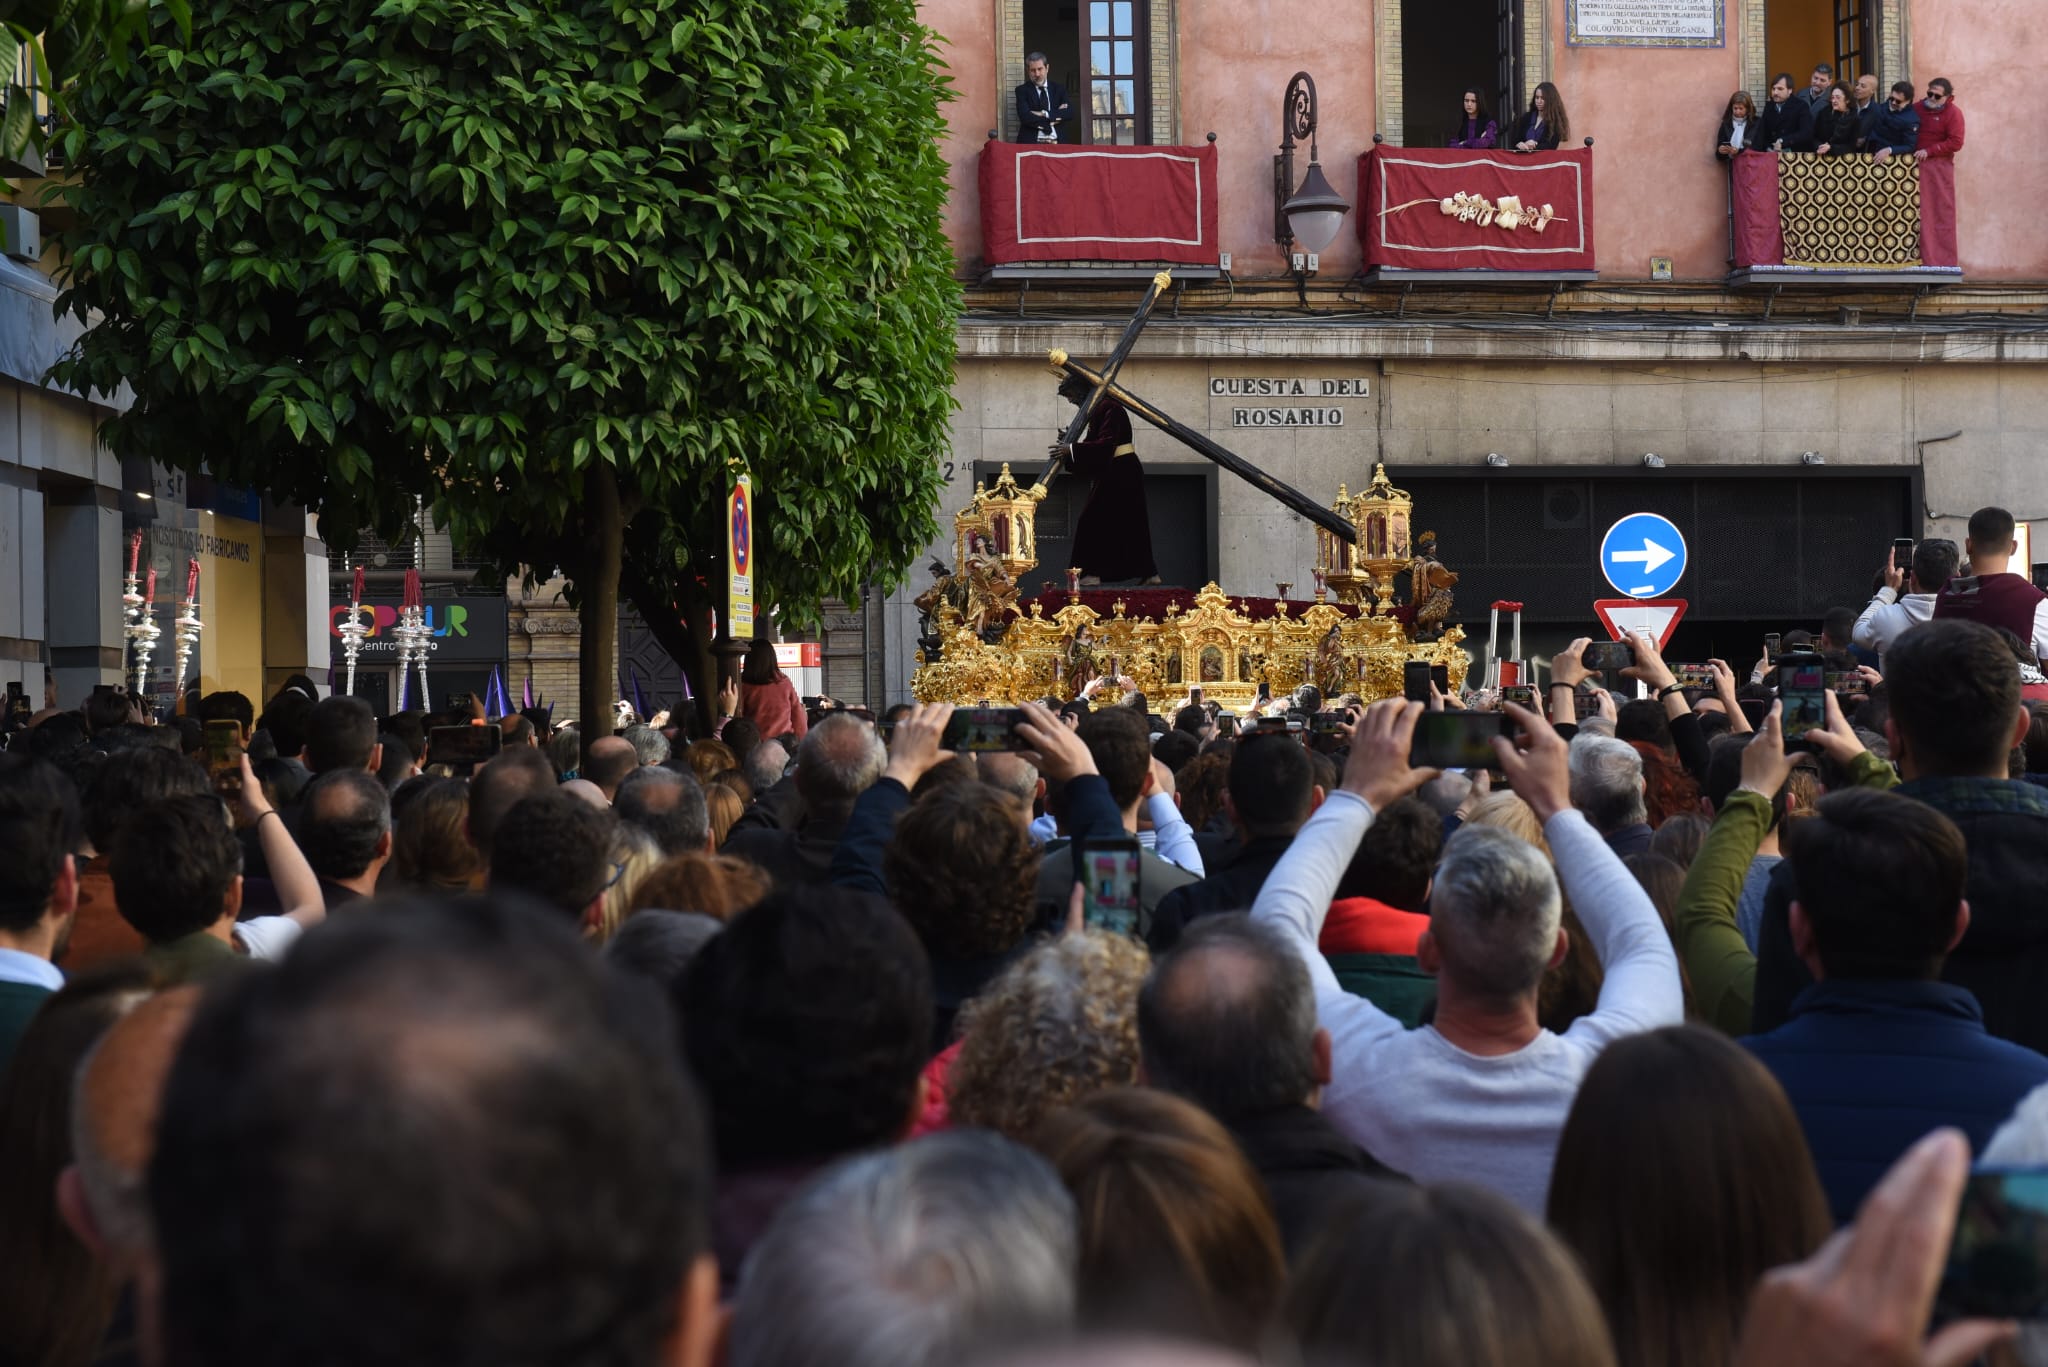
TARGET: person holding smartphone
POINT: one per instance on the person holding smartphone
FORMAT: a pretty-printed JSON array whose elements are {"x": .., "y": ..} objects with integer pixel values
[
  {"x": 1906, "y": 598},
  {"x": 1481, "y": 1093}
]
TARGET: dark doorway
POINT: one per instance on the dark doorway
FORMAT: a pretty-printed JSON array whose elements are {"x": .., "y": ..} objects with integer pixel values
[
  {"x": 1054, "y": 28},
  {"x": 1180, "y": 508},
  {"x": 1764, "y": 545},
  {"x": 1448, "y": 46}
]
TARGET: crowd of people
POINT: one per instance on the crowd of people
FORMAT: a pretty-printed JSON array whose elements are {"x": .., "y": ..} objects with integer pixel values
[
  {"x": 1828, "y": 116},
  {"x": 1665, "y": 1037},
  {"x": 1838, "y": 119}
]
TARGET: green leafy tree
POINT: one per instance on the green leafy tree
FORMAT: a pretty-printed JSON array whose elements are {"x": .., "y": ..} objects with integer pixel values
[
  {"x": 54, "y": 40},
  {"x": 558, "y": 269}
]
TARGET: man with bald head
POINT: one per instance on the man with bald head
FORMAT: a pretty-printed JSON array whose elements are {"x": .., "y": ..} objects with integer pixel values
[
  {"x": 345, "y": 833},
  {"x": 611, "y": 758},
  {"x": 1228, "y": 1021},
  {"x": 498, "y": 787},
  {"x": 1016, "y": 778},
  {"x": 838, "y": 759}
]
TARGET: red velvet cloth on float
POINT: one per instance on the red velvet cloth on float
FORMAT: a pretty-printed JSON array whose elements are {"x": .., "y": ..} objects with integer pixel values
[{"x": 1152, "y": 604}]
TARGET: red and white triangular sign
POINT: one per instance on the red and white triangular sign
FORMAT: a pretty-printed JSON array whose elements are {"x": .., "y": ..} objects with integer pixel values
[{"x": 1657, "y": 617}]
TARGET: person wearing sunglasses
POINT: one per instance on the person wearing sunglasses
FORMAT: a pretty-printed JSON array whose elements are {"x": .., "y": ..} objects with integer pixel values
[{"x": 1941, "y": 121}]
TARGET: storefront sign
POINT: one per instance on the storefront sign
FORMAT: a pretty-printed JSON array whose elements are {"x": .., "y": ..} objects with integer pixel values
[
  {"x": 739, "y": 560},
  {"x": 1286, "y": 417},
  {"x": 1286, "y": 387},
  {"x": 460, "y": 629},
  {"x": 1646, "y": 23}
]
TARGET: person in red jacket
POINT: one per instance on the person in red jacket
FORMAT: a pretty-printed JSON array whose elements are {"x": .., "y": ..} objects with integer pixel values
[
  {"x": 1941, "y": 121},
  {"x": 1991, "y": 593}
]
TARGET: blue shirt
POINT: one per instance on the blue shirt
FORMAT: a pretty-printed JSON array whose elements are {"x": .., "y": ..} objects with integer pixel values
[{"x": 29, "y": 969}]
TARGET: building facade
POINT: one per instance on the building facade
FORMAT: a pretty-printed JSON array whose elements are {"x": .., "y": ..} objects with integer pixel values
[{"x": 1798, "y": 420}]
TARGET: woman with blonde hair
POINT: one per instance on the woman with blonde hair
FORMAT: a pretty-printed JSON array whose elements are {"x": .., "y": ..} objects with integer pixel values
[
  {"x": 634, "y": 856},
  {"x": 723, "y": 806}
]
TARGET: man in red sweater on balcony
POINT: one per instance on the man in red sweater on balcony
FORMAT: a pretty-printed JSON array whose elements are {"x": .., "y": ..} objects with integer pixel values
[
  {"x": 1941, "y": 122},
  {"x": 1990, "y": 593}
]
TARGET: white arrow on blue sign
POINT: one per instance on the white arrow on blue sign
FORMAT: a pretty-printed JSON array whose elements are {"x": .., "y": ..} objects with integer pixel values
[{"x": 1643, "y": 556}]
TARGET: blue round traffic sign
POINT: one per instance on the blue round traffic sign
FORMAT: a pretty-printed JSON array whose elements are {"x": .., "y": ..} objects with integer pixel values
[{"x": 1643, "y": 556}]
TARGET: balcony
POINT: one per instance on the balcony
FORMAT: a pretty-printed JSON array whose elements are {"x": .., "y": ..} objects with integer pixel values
[
  {"x": 1448, "y": 215},
  {"x": 1068, "y": 213},
  {"x": 1801, "y": 219}
]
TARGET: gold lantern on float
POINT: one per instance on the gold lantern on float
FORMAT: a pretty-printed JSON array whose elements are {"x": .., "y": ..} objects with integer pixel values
[
  {"x": 1337, "y": 560},
  {"x": 1383, "y": 516},
  {"x": 1009, "y": 515}
]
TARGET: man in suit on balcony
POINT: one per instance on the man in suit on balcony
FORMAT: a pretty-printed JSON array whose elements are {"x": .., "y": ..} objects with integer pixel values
[{"x": 1041, "y": 103}]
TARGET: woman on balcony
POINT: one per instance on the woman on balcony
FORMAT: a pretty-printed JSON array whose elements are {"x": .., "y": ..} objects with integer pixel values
[
  {"x": 1786, "y": 124},
  {"x": 1545, "y": 125},
  {"x": 1738, "y": 127},
  {"x": 1836, "y": 128},
  {"x": 1475, "y": 127}
]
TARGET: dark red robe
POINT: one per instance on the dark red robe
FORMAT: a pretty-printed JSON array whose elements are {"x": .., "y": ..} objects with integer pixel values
[{"x": 1113, "y": 539}]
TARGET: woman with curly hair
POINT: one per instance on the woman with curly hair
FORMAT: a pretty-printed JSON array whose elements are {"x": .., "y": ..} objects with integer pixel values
[
  {"x": 1059, "y": 1025},
  {"x": 964, "y": 872},
  {"x": 1201, "y": 786}
]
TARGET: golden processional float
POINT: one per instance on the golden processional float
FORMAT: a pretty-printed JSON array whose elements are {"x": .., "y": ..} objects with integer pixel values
[{"x": 982, "y": 645}]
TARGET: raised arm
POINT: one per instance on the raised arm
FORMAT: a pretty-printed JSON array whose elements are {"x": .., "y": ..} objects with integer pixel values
[
  {"x": 298, "y": 888},
  {"x": 1172, "y": 838},
  {"x": 1296, "y": 896},
  {"x": 914, "y": 751},
  {"x": 1641, "y": 990},
  {"x": 1718, "y": 961}
]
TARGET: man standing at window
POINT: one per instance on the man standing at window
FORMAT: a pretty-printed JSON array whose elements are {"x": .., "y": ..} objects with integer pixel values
[{"x": 1041, "y": 103}]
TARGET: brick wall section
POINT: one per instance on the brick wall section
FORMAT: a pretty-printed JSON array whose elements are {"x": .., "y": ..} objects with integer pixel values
[{"x": 1010, "y": 64}]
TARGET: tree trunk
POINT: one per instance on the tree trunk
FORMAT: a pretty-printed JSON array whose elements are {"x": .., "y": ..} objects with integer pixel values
[
  {"x": 679, "y": 617},
  {"x": 597, "y": 608}
]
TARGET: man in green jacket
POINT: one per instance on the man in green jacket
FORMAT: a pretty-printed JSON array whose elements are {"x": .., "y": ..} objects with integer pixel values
[{"x": 1719, "y": 963}]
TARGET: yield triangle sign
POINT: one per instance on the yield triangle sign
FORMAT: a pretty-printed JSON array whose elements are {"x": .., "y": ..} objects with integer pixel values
[{"x": 1657, "y": 617}]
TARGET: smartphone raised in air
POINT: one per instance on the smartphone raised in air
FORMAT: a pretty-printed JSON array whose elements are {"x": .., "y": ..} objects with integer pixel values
[
  {"x": 1110, "y": 873},
  {"x": 1802, "y": 688},
  {"x": 464, "y": 745},
  {"x": 1415, "y": 681},
  {"x": 1773, "y": 643},
  {"x": 972, "y": 729},
  {"x": 224, "y": 755},
  {"x": 1998, "y": 1260},
  {"x": 1458, "y": 740},
  {"x": 1608, "y": 657},
  {"x": 1902, "y": 552}
]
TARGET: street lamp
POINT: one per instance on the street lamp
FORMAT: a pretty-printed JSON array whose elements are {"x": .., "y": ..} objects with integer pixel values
[{"x": 1312, "y": 213}]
